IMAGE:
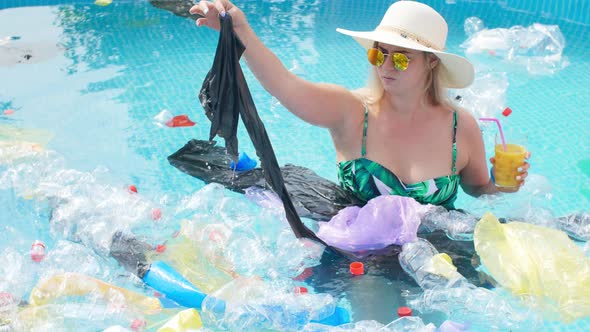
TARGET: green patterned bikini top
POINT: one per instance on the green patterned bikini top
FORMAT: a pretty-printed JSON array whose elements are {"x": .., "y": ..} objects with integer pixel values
[{"x": 368, "y": 179}]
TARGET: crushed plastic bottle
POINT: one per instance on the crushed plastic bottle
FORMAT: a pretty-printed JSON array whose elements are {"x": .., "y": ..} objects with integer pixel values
[{"x": 430, "y": 270}]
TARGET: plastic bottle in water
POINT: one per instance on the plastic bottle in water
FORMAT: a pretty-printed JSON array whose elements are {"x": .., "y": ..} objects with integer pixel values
[
  {"x": 414, "y": 258},
  {"x": 457, "y": 225}
]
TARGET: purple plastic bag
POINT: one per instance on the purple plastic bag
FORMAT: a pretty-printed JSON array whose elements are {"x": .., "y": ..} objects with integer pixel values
[{"x": 385, "y": 220}]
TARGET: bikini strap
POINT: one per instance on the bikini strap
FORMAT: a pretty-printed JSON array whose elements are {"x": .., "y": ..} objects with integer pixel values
[
  {"x": 454, "y": 168},
  {"x": 365, "y": 125}
]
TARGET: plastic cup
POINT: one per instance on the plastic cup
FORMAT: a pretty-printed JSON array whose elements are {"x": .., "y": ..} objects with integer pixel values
[{"x": 509, "y": 159}]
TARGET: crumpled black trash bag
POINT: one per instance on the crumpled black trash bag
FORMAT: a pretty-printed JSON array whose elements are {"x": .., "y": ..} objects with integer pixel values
[
  {"x": 225, "y": 96},
  {"x": 221, "y": 92},
  {"x": 313, "y": 196}
]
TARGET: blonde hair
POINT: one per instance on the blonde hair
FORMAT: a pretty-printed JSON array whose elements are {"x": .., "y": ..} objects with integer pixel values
[
  {"x": 373, "y": 91},
  {"x": 433, "y": 89}
]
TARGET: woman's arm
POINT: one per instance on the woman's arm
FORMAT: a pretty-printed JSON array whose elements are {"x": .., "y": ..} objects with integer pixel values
[
  {"x": 319, "y": 104},
  {"x": 475, "y": 178}
]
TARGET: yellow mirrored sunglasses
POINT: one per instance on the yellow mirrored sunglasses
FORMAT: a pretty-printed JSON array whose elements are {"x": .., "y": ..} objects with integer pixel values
[{"x": 376, "y": 57}]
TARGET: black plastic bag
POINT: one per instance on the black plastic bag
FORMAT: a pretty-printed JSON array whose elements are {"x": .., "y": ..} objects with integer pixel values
[
  {"x": 225, "y": 96},
  {"x": 313, "y": 196}
]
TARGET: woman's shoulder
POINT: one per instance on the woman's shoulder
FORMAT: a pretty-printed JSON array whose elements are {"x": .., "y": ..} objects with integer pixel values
[
  {"x": 468, "y": 129},
  {"x": 465, "y": 119}
]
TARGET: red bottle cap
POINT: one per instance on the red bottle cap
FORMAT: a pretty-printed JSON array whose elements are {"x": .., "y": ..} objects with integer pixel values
[
  {"x": 300, "y": 290},
  {"x": 37, "y": 251},
  {"x": 404, "y": 311},
  {"x": 507, "y": 111},
  {"x": 132, "y": 189},
  {"x": 156, "y": 214},
  {"x": 160, "y": 248},
  {"x": 6, "y": 299},
  {"x": 357, "y": 268},
  {"x": 138, "y": 325}
]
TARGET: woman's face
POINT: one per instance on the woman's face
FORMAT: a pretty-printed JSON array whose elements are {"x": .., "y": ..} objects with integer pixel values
[{"x": 413, "y": 77}]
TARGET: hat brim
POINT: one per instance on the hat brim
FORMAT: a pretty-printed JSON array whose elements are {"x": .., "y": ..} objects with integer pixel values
[{"x": 457, "y": 71}]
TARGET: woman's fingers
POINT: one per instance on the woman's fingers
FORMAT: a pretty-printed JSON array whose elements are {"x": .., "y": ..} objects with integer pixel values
[
  {"x": 221, "y": 6},
  {"x": 208, "y": 11},
  {"x": 523, "y": 172},
  {"x": 202, "y": 8}
]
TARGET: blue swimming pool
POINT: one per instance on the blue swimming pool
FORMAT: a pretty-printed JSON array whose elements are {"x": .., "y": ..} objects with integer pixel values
[{"x": 88, "y": 81}]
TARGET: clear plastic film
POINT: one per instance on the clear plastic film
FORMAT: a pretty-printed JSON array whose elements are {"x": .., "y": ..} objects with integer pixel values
[{"x": 537, "y": 48}]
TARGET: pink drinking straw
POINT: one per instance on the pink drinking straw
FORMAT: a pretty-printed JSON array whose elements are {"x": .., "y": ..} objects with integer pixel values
[{"x": 499, "y": 128}]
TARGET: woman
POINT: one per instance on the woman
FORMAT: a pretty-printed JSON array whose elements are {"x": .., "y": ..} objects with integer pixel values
[{"x": 399, "y": 135}]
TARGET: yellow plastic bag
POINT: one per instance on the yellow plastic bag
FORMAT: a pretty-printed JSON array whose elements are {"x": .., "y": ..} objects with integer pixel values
[
  {"x": 77, "y": 284},
  {"x": 186, "y": 320},
  {"x": 536, "y": 261}
]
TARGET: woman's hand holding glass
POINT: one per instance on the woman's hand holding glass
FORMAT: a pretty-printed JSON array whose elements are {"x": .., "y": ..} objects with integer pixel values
[{"x": 523, "y": 172}]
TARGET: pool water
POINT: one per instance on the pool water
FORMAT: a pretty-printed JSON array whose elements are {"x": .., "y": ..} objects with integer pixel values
[{"x": 96, "y": 77}]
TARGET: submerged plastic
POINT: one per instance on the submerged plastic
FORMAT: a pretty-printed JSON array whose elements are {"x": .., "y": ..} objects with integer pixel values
[
  {"x": 186, "y": 320},
  {"x": 536, "y": 261},
  {"x": 77, "y": 284},
  {"x": 384, "y": 221}
]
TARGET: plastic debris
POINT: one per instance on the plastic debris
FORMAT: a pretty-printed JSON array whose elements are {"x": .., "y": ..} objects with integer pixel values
[
  {"x": 385, "y": 220},
  {"x": 186, "y": 320},
  {"x": 537, "y": 262},
  {"x": 103, "y": 2},
  {"x": 180, "y": 121},
  {"x": 357, "y": 268},
  {"x": 37, "y": 251},
  {"x": 245, "y": 163}
]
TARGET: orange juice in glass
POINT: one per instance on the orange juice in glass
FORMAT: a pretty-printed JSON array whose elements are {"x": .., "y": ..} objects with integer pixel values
[{"x": 509, "y": 157}]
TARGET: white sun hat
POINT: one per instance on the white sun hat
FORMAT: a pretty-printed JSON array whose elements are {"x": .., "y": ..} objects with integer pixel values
[{"x": 414, "y": 25}]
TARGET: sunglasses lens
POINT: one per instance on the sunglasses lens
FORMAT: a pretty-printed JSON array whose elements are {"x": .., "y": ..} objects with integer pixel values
[
  {"x": 375, "y": 57},
  {"x": 400, "y": 61}
]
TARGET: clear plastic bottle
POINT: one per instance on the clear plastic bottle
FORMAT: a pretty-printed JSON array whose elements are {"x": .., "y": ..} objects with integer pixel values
[
  {"x": 457, "y": 225},
  {"x": 414, "y": 258}
]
